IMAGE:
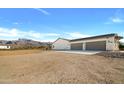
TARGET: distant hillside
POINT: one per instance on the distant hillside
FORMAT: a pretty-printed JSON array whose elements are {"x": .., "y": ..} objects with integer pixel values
[{"x": 25, "y": 43}]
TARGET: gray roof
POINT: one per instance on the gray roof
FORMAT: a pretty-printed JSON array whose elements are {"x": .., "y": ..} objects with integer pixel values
[
  {"x": 60, "y": 38},
  {"x": 99, "y": 36}
]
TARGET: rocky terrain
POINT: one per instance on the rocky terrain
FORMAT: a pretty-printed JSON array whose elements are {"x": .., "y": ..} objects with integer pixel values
[{"x": 112, "y": 54}]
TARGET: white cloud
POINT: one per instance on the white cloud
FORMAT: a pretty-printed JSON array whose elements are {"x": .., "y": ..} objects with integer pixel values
[
  {"x": 114, "y": 20},
  {"x": 117, "y": 20},
  {"x": 122, "y": 40},
  {"x": 6, "y": 32},
  {"x": 118, "y": 17},
  {"x": 42, "y": 11},
  {"x": 108, "y": 23},
  {"x": 122, "y": 34},
  {"x": 16, "y": 33},
  {"x": 41, "y": 35},
  {"x": 46, "y": 40},
  {"x": 74, "y": 35},
  {"x": 15, "y": 23}
]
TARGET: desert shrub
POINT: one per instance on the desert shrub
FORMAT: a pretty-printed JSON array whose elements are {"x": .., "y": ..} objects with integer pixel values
[{"x": 30, "y": 47}]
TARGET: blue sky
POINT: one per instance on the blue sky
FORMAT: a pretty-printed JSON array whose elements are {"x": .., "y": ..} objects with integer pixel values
[{"x": 47, "y": 24}]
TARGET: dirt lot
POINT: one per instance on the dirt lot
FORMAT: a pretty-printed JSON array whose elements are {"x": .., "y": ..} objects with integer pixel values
[
  {"x": 36, "y": 66},
  {"x": 18, "y": 52}
]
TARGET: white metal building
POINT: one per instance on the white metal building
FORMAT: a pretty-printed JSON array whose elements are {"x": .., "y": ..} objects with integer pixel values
[{"x": 101, "y": 43}]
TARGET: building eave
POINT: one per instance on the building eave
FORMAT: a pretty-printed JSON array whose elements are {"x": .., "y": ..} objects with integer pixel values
[
  {"x": 60, "y": 38},
  {"x": 95, "y": 37}
]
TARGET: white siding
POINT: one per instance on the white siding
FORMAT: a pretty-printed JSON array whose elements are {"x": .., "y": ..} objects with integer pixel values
[
  {"x": 61, "y": 44},
  {"x": 4, "y": 47},
  {"x": 111, "y": 44}
]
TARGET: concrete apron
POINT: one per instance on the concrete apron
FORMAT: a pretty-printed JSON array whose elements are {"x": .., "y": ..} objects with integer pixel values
[{"x": 81, "y": 52}]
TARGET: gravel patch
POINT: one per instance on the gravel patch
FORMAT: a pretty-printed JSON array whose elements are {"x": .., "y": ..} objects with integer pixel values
[{"x": 112, "y": 54}]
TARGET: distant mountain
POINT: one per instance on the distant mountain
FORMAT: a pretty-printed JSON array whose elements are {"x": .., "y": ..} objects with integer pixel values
[{"x": 24, "y": 42}]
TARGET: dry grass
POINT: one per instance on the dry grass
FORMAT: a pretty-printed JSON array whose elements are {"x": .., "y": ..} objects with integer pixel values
[
  {"x": 54, "y": 67},
  {"x": 19, "y": 52}
]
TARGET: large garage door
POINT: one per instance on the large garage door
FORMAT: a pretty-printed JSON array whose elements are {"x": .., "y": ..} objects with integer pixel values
[
  {"x": 77, "y": 46},
  {"x": 99, "y": 45}
]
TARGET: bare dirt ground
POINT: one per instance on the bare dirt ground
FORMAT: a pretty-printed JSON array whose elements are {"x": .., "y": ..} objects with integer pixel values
[
  {"x": 18, "y": 52},
  {"x": 36, "y": 66}
]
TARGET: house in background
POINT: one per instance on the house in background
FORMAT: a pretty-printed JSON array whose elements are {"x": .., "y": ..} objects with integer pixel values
[
  {"x": 4, "y": 47},
  {"x": 107, "y": 42}
]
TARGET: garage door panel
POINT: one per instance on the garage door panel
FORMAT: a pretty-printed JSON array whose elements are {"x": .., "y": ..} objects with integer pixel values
[
  {"x": 77, "y": 46},
  {"x": 99, "y": 45}
]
